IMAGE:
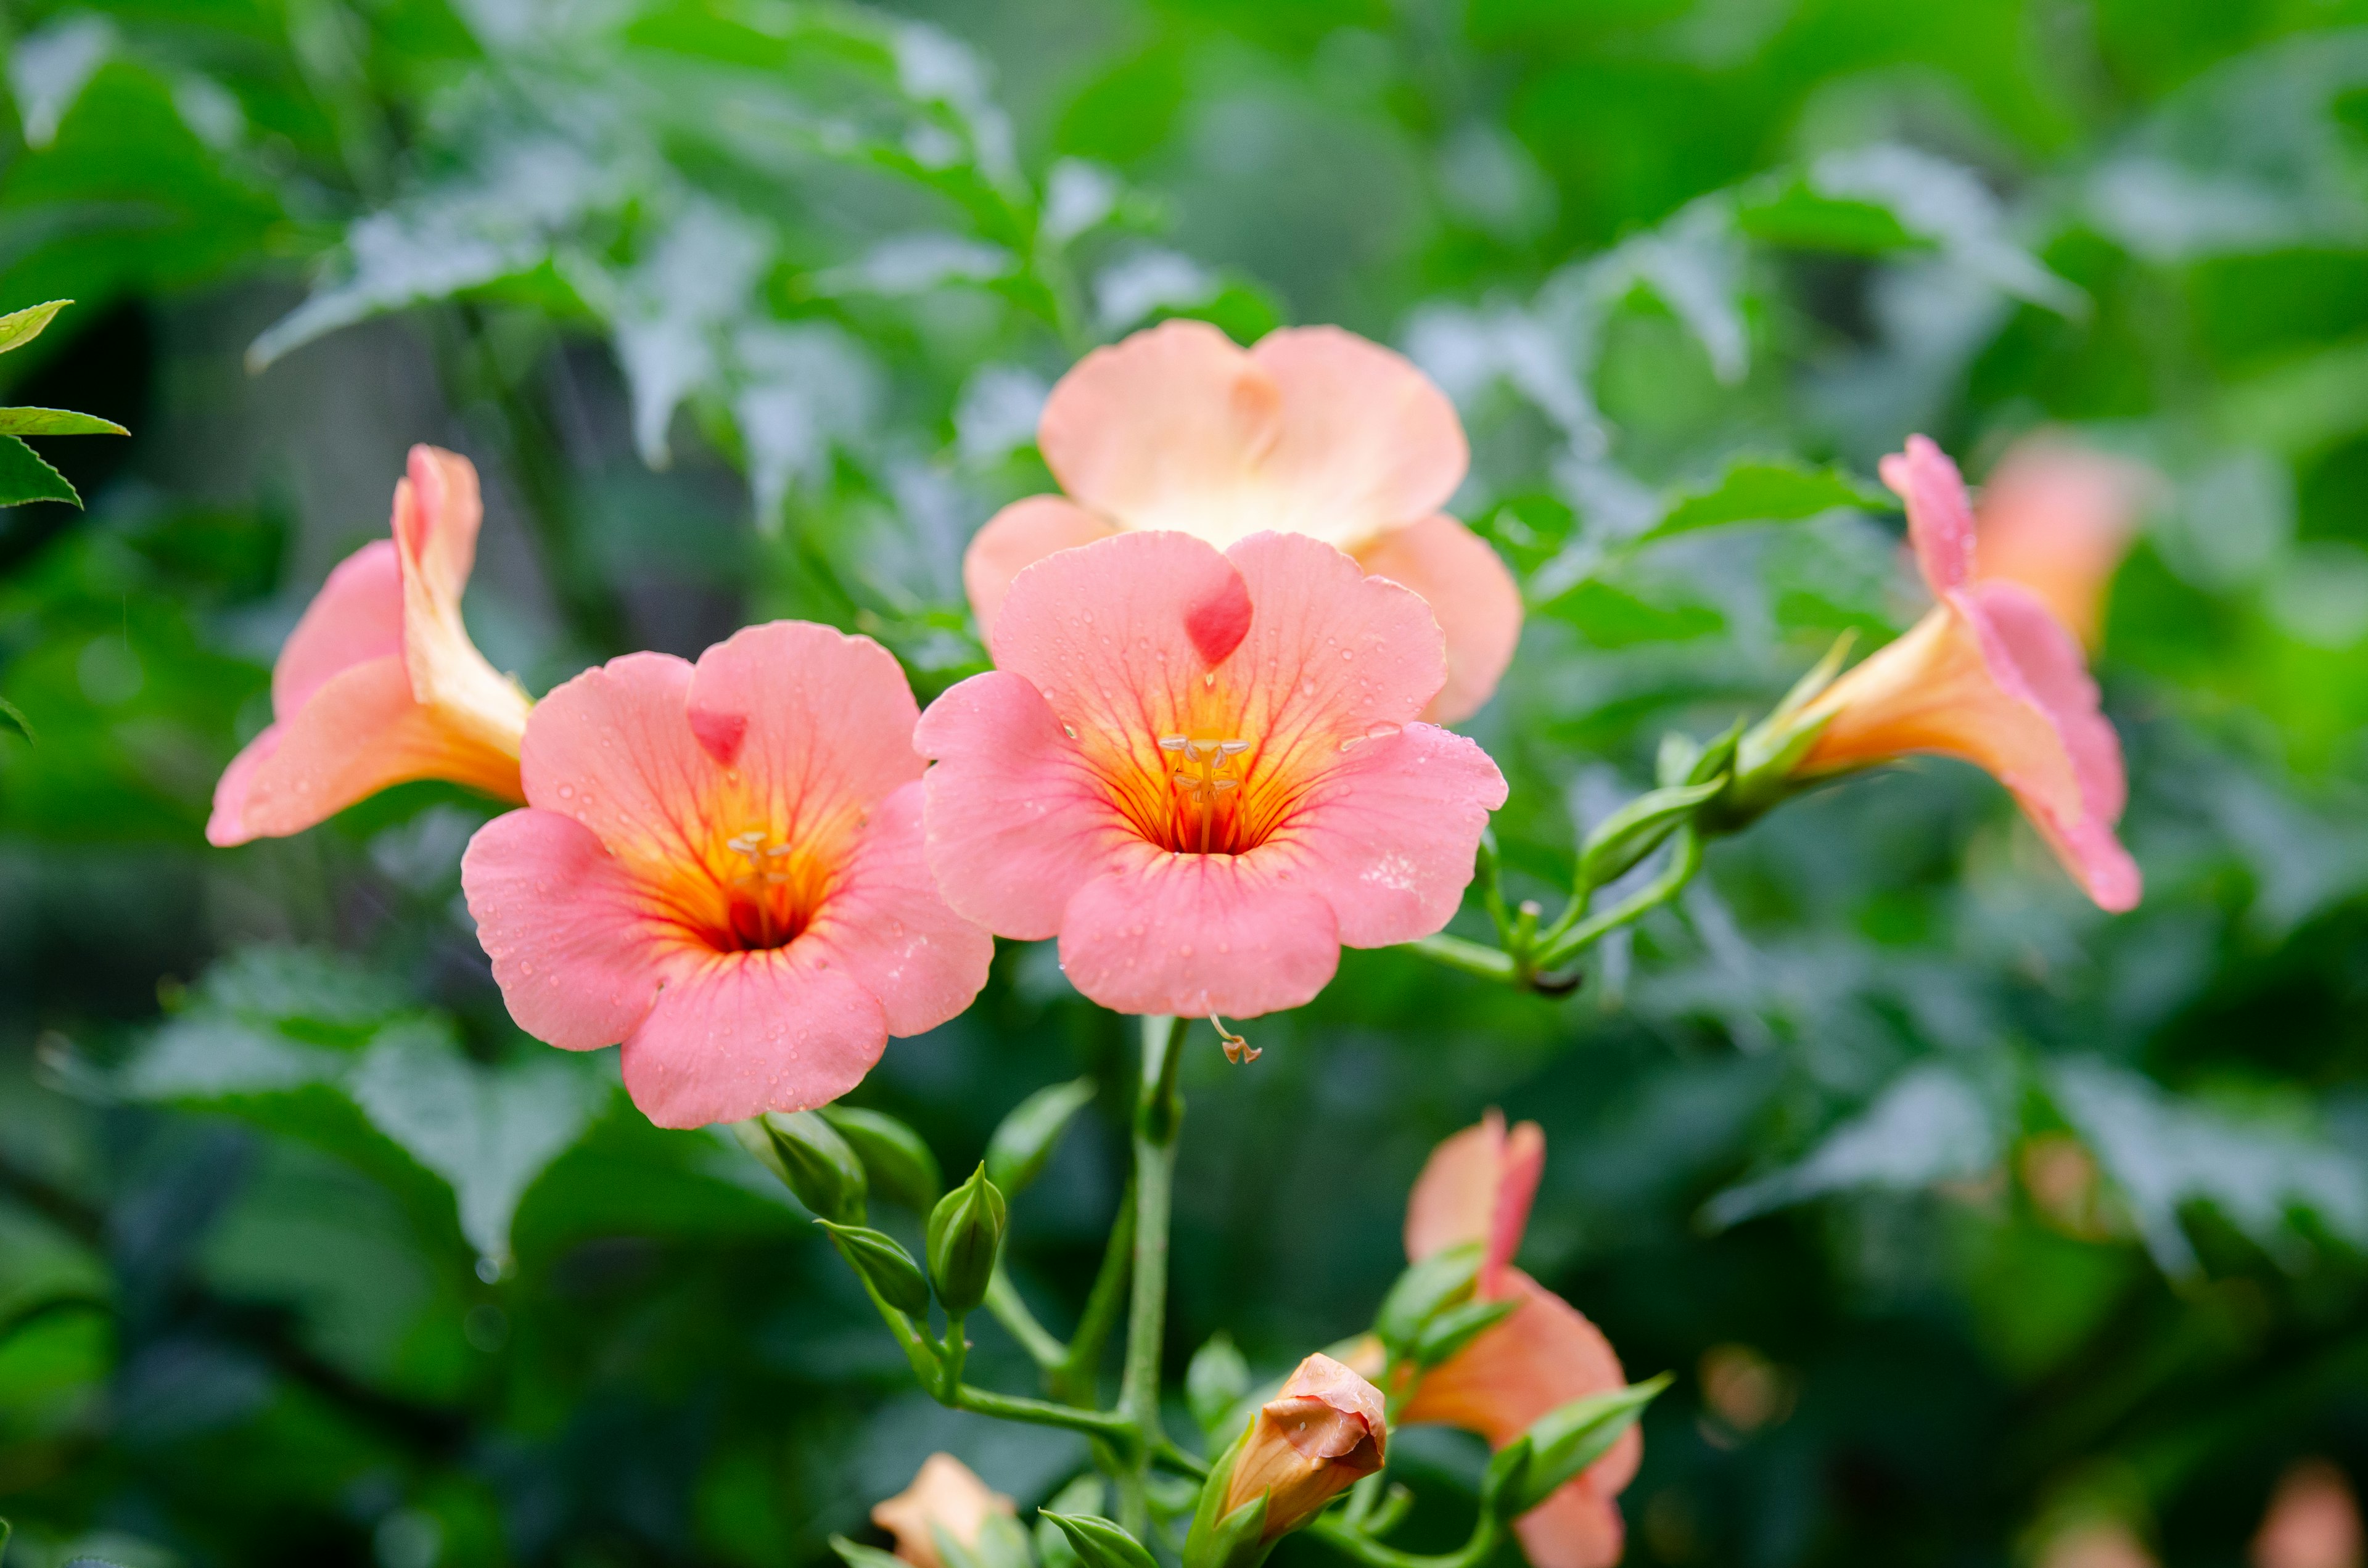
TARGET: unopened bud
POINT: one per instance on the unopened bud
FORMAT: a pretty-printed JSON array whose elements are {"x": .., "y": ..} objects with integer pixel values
[
  {"x": 965, "y": 1234},
  {"x": 899, "y": 1164},
  {"x": 888, "y": 1268},
  {"x": 945, "y": 1505},
  {"x": 812, "y": 1161},
  {"x": 1320, "y": 1436}
]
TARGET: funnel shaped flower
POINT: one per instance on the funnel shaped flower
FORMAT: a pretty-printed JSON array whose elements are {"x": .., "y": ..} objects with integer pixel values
[
  {"x": 719, "y": 866},
  {"x": 1314, "y": 431},
  {"x": 1989, "y": 676},
  {"x": 1476, "y": 1187},
  {"x": 378, "y": 684},
  {"x": 1318, "y": 1437},
  {"x": 2058, "y": 518},
  {"x": 945, "y": 1495},
  {"x": 1202, "y": 772}
]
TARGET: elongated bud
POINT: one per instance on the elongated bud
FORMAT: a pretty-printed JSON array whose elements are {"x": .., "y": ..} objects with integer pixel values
[
  {"x": 885, "y": 1266},
  {"x": 899, "y": 1165},
  {"x": 812, "y": 1161},
  {"x": 1024, "y": 1140},
  {"x": 1099, "y": 1543},
  {"x": 1320, "y": 1436},
  {"x": 965, "y": 1232},
  {"x": 946, "y": 1506}
]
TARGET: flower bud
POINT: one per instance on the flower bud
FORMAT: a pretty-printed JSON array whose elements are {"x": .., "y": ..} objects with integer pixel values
[
  {"x": 1321, "y": 1435},
  {"x": 965, "y": 1232},
  {"x": 945, "y": 1500},
  {"x": 1017, "y": 1154},
  {"x": 899, "y": 1164},
  {"x": 812, "y": 1161},
  {"x": 888, "y": 1268}
]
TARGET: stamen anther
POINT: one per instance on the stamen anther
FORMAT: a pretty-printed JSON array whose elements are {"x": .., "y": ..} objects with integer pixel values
[{"x": 1238, "y": 1050}]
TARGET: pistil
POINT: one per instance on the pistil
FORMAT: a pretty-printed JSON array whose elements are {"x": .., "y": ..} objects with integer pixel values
[
  {"x": 1202, "y": 776},
  {"x": 761, "y": 877}
]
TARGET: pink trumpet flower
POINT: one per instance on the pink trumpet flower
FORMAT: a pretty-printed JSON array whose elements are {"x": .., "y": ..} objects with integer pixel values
[
  {"x": 1202, "y": 771},
  {"x": 719, "y": 866},
  {"x": 2058, "y": 518},
  {"x": 379, "y": 685},
  {"x": 1989, "y": 676},
  {"x": 1476, "y": 1187},
  {"x": 1314, "y": 431}
]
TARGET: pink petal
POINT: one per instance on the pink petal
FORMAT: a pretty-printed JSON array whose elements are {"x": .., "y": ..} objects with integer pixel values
[
  {"x": 1318, "y": 432},
  {"x": 739, "y": 1034},
  {"x": 1477, "y": 1187},
  {"x": 819, "y": 724},
  {"x": 2058, "y": 518},
  {"x": 436, "y": 516},
  {"x": 613, "y": 749},
  {"x": 1018, "y": 819},
  {"x": 1578, "y": 1526},
  {"x": 1471, "y": 594},
  {"x": 226, "y": 825},
  {"x": 1016, "y": 539},
  {"x": 1388, "y": 832},
  {"x": 1193, "y": 935},
  {"x": 890, "y": 929},
  {"x": 357, "y": 733},
  {"x": 577, "y": 950},
  {"x": 355, "y": 617},
  {"x": 1940, "y": 516}
]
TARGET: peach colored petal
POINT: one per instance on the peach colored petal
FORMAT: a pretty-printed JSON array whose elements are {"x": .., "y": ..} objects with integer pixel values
[
  {"x": 1198, "y": 934},
  {"x": 1477, "y": 1187},
  {"x": 945, "y": 1495},
  {"x": 1316, "y": 432},
  {"x": 1940, "y": 516},
  {"x": 1016, "y": 815},
  {"x": 355, "y": 617},
  {"x": 1016, "y": 539},
  {"x": 1473, "y": 594},
  {"x": 226, "y": 825},
  {"x": 613, "y": 749},
  {"x": 887, "y": 926},
  {"x": 360, "y": 733},
  {"x": 735, "y": 1035},
  {"x": 1318, "y": 1436},
  {"x": 578, "y": 951},
  {"x": 817, "y": 718},
  {"x": 1578, "y": 1526},
  {"x": 436, "y": 511},
  {"x": 2058, "y": 518}
]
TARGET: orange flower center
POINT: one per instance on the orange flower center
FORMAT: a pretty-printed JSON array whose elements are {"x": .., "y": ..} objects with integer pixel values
[{"x": 771, "y": 894}]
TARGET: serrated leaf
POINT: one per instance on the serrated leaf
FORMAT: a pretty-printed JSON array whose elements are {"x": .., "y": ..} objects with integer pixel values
[
  {"x": 56, "y": 422},
  {"x": 19, "y": 327},
  {"x": 1763, "y": 490},
  {"x": 25, "y": 477}
]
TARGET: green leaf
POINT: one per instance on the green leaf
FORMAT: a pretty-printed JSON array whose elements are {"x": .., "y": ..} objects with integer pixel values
[
  {"x": 1215, "y": 1382},
  {"x": 1636, "y": 829},
  {"x": 1099, "y": 1543},
  {"x": 19, "y": 327},
  {"x": 888, "y": 1267},
  {"x": 25, "y": 477},
  {"x": 56, "y": 422},
  {"x": 899, "y": 1165},
  {"x": 1566, "y": 1440},
  {"x": 855, "y": 1554},
  {"x": 1763, "y": 490},
  {"x": 1023, "y": 1141},
  {"x": 1425, "y": 1290},
  {"x": 13, "y": 717},
  {"x": 1456, "y": 1327},
  {"x": 1083, "y": 1495}
]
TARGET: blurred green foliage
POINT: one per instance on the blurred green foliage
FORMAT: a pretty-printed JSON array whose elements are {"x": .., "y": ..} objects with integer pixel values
[{"x": 745, "y": 307}]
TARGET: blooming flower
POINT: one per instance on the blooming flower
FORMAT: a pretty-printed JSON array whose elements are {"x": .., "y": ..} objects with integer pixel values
[
  {"x": 945, "y": 1495},
  {"x": 1318, "y": 1437},
  {"x": 1201, "y": 770},
  {"x": 2313, "y": 1521},
  {"x": 1314, "y": 431},
  {"x": 721, "y": 867},
  {"x": 1476, "y": 1187},
  {"x": 2058, "y": 518},
  {"x": 378, "y": 684},
  {"x": 1990, "y": 676}
]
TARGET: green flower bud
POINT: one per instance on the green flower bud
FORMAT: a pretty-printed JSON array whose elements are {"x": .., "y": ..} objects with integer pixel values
[
  {"x": 897, "y": 1162},
  {"x": 812, "y": 1161},
  {"x": 885, "y": 1266},
  {"x": 1016, "y": 1154},
  {"x": 1099, "y": 1543},
  {"x": 965, "y": 1234}
]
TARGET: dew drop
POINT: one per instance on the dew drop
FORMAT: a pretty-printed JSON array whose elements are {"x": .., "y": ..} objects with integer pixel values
[
  {"x": 1307, "y": 687},
  {"x": 1070, "y": 731}
]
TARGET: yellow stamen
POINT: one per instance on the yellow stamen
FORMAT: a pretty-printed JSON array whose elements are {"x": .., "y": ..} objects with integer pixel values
[
  {"x": 1204, "y": 783},
  {"x": 1238, "y": 1050}
]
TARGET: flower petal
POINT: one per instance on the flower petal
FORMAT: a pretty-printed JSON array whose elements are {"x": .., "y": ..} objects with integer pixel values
[
  {"x": 1939, "y": 517},
  {"x": 226, "y": 825},
  {"x": 1471, "y": 594},
  {"x": 613, "y": 749},
  {"x": 355, "y": 617},
  {"x": 436, "y": 511},
  {"x": 1390, "y": 833},
  {"x": 1578, "y": 1526},
  {"x": 737, "y": 1034},
  {"x": 1316, "y": 431},
  {"x": 359, "y": 733},
  {"x": 2058, "y": 518},
  {"x": 1193, "y": 935},
  {"x": 1016, "y": 814},
  {"x": 1477, "y": 1187},
  {"x": 890, "y": 928},
  {"x": 576, "y": 950},
  {"x": 1016, "y": 539}
]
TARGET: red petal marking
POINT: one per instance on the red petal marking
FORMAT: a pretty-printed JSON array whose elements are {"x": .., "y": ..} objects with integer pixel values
[
  {"x": 1219, "y": 622},
  {"x": 719, "y": 733}
]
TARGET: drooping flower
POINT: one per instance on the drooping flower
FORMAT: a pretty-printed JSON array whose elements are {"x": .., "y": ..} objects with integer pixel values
[
  {"x": 1322, "y": 1434},
  {"x": 2057, "y": 517},
  {"x": 1477, "y": 1187},
  {"x": 1988, "y": 676},
  {"x": 1202, "y": 771},
  {"x": 1314, "y": 431},
  {"x": 720, "y": 867},
  {"x": 379, "y": 685},
  {"x": 946, "y": 1495}
]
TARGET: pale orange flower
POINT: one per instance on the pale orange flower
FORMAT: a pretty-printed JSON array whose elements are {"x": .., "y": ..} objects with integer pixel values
[
  {"x": 1320, "y": 1436},
  {"x": 2058, "y": 518},
  {"x": 945, "y": 1495}
]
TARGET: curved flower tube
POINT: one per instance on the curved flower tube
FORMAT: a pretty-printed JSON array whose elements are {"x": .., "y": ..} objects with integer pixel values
[
  {"x": 379, "y": 685},
  {"x": 720, "y": 867},
  {"x": 1320, "y": 1435},
  {"x": 1989, "y": 676},
  {"x": 1476, "y": 1187},
  {"x": 2058, "y": 518},
  {"x": 1314, "y": 431},
  {"x": 1202, "y": 771},
  {"x": 946, "y": 1495}
]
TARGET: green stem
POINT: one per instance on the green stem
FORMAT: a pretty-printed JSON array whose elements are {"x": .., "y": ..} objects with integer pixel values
[
  {"x": 913, "y": 1339},
  {"x": 1644, "y": 900},
  {"x": 1339, "y": 1534},
  {"x": 1157, "y": 1116},
  {"x": 1110, "y": 1424},
  {"x": 1473, "y": 958},
  {"x": 1004, "y": 1300}
]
